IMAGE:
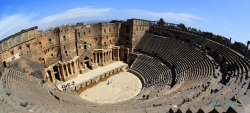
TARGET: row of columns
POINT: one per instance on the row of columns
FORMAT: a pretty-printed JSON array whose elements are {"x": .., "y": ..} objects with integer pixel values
[
  {"x": 116, "y": 53},
  {"x": 103, "y": 57},
  {"x": 63, "y": 70}
]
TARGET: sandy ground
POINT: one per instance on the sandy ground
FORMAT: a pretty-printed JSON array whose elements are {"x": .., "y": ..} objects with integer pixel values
[{"x": 124, "y": 86}]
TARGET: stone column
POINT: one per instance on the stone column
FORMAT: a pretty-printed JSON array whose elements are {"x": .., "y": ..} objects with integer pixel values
[
  {"x": 104, "y": 55},
  {"x": 107, "y": 58},
  {"x": 77, "y": 65},
  {"x": 59, "y": 73},
  {"x": 118, "y": 54},
  {"x": 63, "y": 72},
  {"x": 114, "y": 53},
  {"x": 70, "y": 67},
  {"x": 76, "y": 72},
  {"x": 102, "y": 58},
  {"x": 110, "y": 58},
  {"x": 67, "y": 71},
  {"x": 95, "y": 58},
  {"x": 52, "y": 75},
  {"x": 99, "y": 57}
]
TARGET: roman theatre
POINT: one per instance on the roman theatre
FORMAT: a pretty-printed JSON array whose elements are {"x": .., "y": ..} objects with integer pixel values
[{"x": 123, "y": 66}]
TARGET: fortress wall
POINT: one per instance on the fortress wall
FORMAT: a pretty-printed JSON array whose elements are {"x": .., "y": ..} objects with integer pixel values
[
  {"x": 48, "y": 46},
  {"x": 20, "y": 44},
  {"x": 67, "y": 42},
  {"x": 132, "y": 31},
  {"x": 63, "y": 43},
  {"x": 139, "y": 29}
]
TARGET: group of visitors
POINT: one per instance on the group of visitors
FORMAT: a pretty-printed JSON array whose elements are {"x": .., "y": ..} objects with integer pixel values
[{"x": 66, "y": 87}]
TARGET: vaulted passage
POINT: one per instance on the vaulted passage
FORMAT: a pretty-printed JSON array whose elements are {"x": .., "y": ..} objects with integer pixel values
[
  {"x": 4, "y": 64},
  {"x": 57, "y": 76},
  {"x": 86, "y": 60}
]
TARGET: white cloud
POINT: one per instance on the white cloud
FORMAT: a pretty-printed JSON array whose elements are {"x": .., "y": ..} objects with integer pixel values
[
  {"x": 10, "y": 24},
  {"x": 75, "y": 13},
  {"x": 13, "y": 23},
  {"x": 167, "y": 15}
]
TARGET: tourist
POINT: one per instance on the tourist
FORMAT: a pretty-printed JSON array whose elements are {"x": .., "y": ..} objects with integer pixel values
[
  {"x": 158, "y": 93},
  {"x": 73, "y": 83}
]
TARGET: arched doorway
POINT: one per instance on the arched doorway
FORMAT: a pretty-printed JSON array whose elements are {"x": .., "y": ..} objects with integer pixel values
[
  {"x": 86, "y": 60},
  {"x": 50, "y": 77},
  {"x": 4, "y": 64},
  {"x": 56, "y": 71}
]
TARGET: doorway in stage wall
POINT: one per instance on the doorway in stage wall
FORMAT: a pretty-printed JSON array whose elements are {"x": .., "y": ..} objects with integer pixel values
[
  {"x": 50, "y": 77},
  {"x": 86, "y": 60},
  {"x": 57, "y": 76},
  {"x": 4, "y": 64}
]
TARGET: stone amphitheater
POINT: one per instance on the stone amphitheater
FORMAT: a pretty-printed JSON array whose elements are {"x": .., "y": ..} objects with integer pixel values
[{"x": 179, "y": 70}]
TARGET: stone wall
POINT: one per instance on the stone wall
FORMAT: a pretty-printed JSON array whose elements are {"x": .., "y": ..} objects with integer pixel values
[{"x": 94, "y": 45}]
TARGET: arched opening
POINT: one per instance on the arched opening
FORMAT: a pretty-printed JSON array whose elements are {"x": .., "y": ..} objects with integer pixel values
[
  {"x": 127, "y": 29},
  {"x": 86, "y": 60},
  {"x": 50, "y": 77},
  {"x": 4, "y": 64},
  {"x": 85, "y": 45},
  {"x": 56, "y": 72},
  {"x": 64, "y": 38}
]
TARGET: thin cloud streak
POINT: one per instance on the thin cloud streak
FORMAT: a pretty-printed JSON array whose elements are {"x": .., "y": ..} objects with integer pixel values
[
  {"x": 75, "y": 13},
  {"x": 10, "y": 24},
  {"x": 167, "y": 15},
  {"x": 13, "y": 23}
]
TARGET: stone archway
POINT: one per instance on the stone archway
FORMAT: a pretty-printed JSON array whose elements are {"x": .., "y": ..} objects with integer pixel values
[
  {"x": 86, "y": 61},
  {"x": 50, "y": 76},
  {"x": 4, "y": 64},
  {"x": 56, "y": 71}
]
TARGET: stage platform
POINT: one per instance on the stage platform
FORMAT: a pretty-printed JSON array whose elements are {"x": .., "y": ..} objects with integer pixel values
[{"x": 90, "y": 75}]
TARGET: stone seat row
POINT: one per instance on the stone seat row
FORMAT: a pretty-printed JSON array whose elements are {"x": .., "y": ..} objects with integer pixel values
[{"x": 152, "y": 70}]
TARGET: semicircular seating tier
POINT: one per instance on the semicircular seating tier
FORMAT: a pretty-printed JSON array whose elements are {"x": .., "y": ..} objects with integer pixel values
[{"x": 178, "y": 78}]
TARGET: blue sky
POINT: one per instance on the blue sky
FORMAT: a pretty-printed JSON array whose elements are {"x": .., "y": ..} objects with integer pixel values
[{"x": 229, "y": 18}]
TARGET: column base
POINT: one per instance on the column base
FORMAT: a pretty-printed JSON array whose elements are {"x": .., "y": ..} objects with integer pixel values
[
  {"x": 81, "y": 71},
  {"x": 94, "y": 66}
]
